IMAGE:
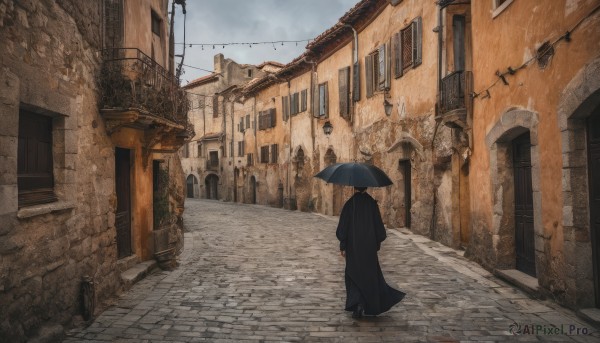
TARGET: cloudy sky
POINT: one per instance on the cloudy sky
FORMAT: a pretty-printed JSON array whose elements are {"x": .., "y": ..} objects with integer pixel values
[{"x": 225, "y": 21}]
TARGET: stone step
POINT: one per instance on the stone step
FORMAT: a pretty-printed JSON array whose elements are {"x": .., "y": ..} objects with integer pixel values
[
  {"x": 137, "y": 272},
  {"x": 127, "y": 262},
  {"x": 525, "y": 282},
  {"x": 591, "y": 315}
]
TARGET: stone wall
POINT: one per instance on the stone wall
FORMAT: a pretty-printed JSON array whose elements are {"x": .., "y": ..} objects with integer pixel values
[{"x": 48, "y": 63}]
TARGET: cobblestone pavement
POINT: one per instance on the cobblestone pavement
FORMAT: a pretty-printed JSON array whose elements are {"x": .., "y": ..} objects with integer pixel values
[{"x": 254, "y": 273}]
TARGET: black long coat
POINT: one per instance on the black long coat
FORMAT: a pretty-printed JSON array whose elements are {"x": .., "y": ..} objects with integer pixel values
[{"x": 360, "y": 232}]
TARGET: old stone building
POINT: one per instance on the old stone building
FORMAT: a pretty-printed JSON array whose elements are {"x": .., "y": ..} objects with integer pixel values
[
  {"x": 207, "y": 158},
  {"x": 86, "y": 179},
  {"x": 488, "y": 148},
  {"x": 535, "y": 123}
]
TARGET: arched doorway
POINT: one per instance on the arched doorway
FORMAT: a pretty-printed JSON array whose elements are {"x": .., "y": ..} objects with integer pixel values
[
  {"x": 191, "y": 185},
  {"x": 578, "y": 117},
  {"x": 593, "y": 146},
  {"x": 253, "y": 189},
  {"x": 515, "y": 171},
  {"x": 212, "y": 185}
]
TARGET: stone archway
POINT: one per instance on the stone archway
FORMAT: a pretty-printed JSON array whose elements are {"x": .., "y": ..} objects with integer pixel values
[
  {"x": 578, "y": 102},
  {"x": 212, "y": 186},
  {"x": 511, "y": 125},
  {"x": 191, "y": 186}
]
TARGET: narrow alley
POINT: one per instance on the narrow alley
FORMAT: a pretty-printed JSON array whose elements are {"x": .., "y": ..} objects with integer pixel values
[{"x": 256, "y": 273}]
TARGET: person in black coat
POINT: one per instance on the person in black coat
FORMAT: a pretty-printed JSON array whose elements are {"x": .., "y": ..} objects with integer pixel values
[{"x": 360, "y": 232}]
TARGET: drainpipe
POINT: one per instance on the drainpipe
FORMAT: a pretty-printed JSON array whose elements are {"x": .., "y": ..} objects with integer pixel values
[{"x": 312, "y": 102}]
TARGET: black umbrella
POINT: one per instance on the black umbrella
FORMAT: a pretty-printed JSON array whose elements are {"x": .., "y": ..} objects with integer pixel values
[{"x": 355, "y": 174}]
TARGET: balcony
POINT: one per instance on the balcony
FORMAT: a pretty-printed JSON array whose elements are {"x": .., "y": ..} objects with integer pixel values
[
  {"x": 137, "y": 92},
  {"x": 212, "y": 165},
  {"x": 455, "y": 99}
]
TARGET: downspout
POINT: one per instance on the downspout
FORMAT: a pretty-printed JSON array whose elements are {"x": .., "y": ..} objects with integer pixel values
[
  {"x": 312, "y": 100},
  {"x": 289, "y": 189},
  {"x": 439, "y": 30},
  {"x": 355, "y": 79}
]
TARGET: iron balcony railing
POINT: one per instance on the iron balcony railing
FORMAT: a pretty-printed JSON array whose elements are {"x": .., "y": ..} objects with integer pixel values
[
  {"x": 212, "y": 165},
  {"x": 132, "y": 79},
  {"x": 456, "y": 90}
]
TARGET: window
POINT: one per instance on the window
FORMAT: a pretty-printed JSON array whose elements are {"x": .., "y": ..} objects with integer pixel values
[
  {"x": 344, "y": 88},
  {"x": 303, "y": 100},
  {"x": 376, "y": 69},
  {"x": 321, "y": 100},
  {"x": 241, "y": 124},
  {"x": 408, "y": 47},
  {"x": 285, "y": 107},
  {"x": 247, "y": 121},
  {"x": 215, "y": 106},
  {"x": 249, "y": 73},
  {"x": 35, "y": 175},
  {"x": 213, "y": 160},
  {"x": 241, "y": 148},
  {"x": 500, "y": 6},
  {"x": 264, "y": 154},
  {"x": 184, "y": 151},
  {"x": 250, "y": 159},
  {"x": 274, "y": 153},
  {"x": 266, "y": 119},
  {"x": 156, "y": 23},
  {"x": 200, "y": 150}
]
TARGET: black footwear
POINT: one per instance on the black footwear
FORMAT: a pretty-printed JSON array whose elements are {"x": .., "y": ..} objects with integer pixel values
[{"x": 358, "y": 312}]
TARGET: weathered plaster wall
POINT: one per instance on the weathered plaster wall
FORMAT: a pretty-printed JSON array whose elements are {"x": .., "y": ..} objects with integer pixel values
[
  {"x": 138, "y": 33},
  {"x": 49, "y": 61},
  {"x": 546, "y": 23}
]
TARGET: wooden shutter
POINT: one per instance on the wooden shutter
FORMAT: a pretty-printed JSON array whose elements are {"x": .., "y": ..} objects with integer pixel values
[
  {"x": 381, "y": 62},
  {"x": 407, "y": 47},
  {"x": 274, "y": 153},
  {"x": 303, "y": 100},
  {"x": 295, "y": 104},
  {"x": 272, "y": 119},
  {"x": 356, "y": 82},
  {"x": 324, "y": 102},
  {"x": 247, "y": 121},
  {"x": 397, "y": 47},
  {"x": 215, "y": 106},
  {"x": 417, "y": 41},
  {"x": 285, "y": 107},
  {"x": 241, "y": 125},
  {"x": 261, "y": 121},
  {"x": 344, "y": 89},
  {"x": 369, "y": 74},
  {"x": 316, "y": 101}
]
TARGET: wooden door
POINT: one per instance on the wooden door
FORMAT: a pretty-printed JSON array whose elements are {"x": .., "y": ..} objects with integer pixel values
[
  {"x": 190, "y": 186},
  {"x": 524, "y": 232},
  {"x": 405, "y": 171},
  {"x": 253, "y": 190},
  {"x": 593, "y": 145},
  {"x": 123, "y": 213}
]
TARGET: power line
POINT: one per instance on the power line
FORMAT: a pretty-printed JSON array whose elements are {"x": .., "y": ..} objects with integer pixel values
[{"x": 249, "y": 44}]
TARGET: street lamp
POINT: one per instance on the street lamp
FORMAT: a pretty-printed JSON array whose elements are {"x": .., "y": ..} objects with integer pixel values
[{"x": 327, "y": 128}]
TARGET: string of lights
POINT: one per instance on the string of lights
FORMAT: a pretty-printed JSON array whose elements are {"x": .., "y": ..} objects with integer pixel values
[
  {"x": 543, "y": 51},
  {"x": 249, "y": 44}
]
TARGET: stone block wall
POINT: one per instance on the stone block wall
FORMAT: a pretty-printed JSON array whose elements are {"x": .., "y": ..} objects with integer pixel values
[{"x": 48, "y": 64}]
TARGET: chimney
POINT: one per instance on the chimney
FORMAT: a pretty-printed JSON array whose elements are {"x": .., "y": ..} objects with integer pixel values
[{"x": 219, "y": 63}]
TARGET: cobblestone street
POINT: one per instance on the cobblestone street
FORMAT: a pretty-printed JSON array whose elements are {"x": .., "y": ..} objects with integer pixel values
[{"x": 254, "y": 273}]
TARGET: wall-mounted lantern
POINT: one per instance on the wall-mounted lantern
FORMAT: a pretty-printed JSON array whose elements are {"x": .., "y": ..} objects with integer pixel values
[
  {"x": 387, "y": 106},
  {"x": 327, "y": 128}
]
